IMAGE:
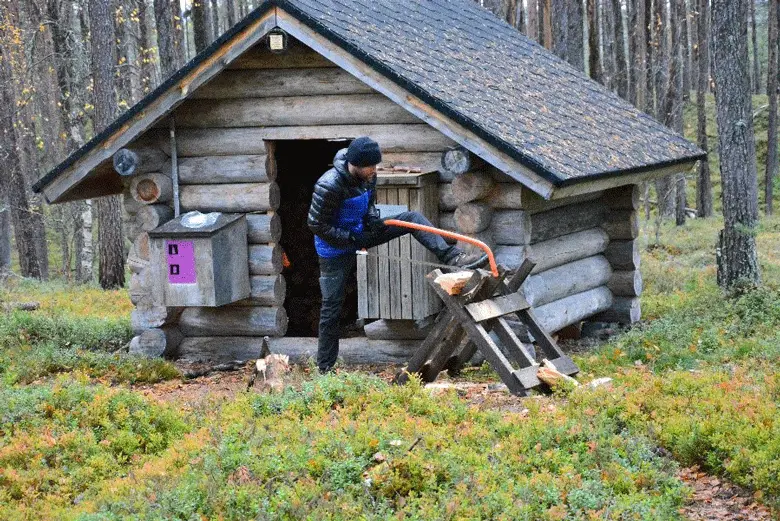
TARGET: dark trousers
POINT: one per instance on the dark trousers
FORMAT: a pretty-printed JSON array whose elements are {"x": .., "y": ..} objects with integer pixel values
[{"x": 335, "y": 271}]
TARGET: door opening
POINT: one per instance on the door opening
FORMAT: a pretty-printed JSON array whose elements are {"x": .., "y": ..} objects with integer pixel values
[{"x": 299, "y": 164}]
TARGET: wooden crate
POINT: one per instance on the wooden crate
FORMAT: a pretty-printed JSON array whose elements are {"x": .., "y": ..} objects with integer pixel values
[
  {"x": 394, "y": 289},
  {"x": 200, "y": 266}
]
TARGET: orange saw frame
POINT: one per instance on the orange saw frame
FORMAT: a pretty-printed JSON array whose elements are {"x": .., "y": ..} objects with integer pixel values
[{"x": 450, "y": 235}]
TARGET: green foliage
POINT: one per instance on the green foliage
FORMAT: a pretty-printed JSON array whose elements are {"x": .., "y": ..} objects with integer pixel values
[
  {"x": 58, "y": 440},
  {"x": 312, "y": 454}
]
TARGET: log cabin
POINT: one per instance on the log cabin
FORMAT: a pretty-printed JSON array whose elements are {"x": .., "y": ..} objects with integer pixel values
[{"x": 482, "y": 130}]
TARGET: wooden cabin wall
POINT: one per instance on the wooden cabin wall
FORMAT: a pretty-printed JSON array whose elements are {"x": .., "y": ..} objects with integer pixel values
[
  {"x": 584, "y": 247},
  {"x": 224, "y": 138}
]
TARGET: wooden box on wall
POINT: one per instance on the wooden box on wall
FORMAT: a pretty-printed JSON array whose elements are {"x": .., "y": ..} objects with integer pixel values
[
  {"x": 393, "y": 288},
  {"x": 204, "y": 266}
]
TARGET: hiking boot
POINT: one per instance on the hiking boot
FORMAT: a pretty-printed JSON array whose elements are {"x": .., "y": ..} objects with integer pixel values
[{"x": 468, "y": 261}]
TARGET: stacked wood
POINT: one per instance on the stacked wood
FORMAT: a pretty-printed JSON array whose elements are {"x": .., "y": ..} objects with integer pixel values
[
  {"x": 151, "y": 216},
  {"x": 266, "y": 290},
  {"x": 145, "y": 317},
  {"x": 163, "y": 341},
  {"x": 569, "y": 310},
  {"x": 623, "y": 255},
  {"x": 533, "y": 203},
  {"x": 151, "y": 188},
  {"x": 473, "y": 217},
  {"x": 233, "y": 321},
  {"x": 507, "y": 196},
  {"x": 555, "y": 252},
  {"x": 447, "y": 202},
  {"x": 447, "y": 221},
  {"x": 511, "y": 227},
  {"x": 263, "y": 228},
  {"x": 568, "y": 279},
  {"x": 231, "y": 198},
  {"x": 300, "y": 349},
  {"x": 622, "y": 226},
  {"x": 566, "y": 220},
  {"x": 626, "y": 283},
  {"x": 298, "y": 111},
  {"x": 265, "y": 259},
  {"x": 624, "y": 310},
  {"x": 142, "y": 160},
  {"x": 457, "y": 161},
  {"x": 257, "y": 168},
  {"x": 471, "y": 186},
  {"x": 130, "y": 205},
  {"x": 425, "y": 161},
  {"x": 271, "y": 83},
  {"x": 395, "y": 330}
]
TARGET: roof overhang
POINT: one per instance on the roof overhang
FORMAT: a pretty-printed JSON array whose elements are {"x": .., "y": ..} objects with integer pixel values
[{"x": 89, "y": 172}]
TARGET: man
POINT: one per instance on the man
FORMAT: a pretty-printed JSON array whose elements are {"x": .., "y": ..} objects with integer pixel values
[{"x": 344, "y": 219}]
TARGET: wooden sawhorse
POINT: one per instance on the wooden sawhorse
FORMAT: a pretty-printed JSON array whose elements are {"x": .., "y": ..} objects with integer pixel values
[{"x": 475, "y": 313}]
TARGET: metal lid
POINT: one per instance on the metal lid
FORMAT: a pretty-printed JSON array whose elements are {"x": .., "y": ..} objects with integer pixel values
[{"x": 174, "y": 227}]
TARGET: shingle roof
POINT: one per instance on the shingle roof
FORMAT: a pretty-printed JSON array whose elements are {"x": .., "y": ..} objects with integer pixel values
[
  {"x": 515, "y": 93},
  {"x": 482, "y": 73}
]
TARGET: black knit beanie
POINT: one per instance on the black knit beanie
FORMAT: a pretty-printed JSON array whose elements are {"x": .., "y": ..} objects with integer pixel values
[{"x": 364, "y": 151}]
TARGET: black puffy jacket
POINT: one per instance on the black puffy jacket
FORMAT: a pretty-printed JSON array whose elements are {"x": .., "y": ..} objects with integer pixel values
[{"x": 331, "y": 189}]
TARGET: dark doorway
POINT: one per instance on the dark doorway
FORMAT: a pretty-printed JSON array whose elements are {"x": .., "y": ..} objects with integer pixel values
[{"x": 299, "y": 164}]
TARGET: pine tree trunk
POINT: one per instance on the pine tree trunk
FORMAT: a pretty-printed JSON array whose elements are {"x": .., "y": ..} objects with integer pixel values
[
  {"x": 771, "y": 88},
  {"x": 594, "y": 44},
  {"x": 532, "y": 27},
  {"x": 686, "y": 50},
  {"x": 149, "y": 78},
  {"x": 756, "y": 62},
  {"x": 560, "y": 28},
  {"x": 608, "y": 44},
  {"x": 576, "y": 33},
  {"x": 232, "y": 13},
  {"x": 640, "y": 55},
  {"x": 216, "y": 31},
  {"x": 109, "y": 209},
  {"x": 621, "y": 66},
  {"x": 736, "y": 252},
  {"x": 5, "y": 230},
  {"x": 166, "y": 43},
  {"x": 545, "y": 23},
  {"x": 674, "y": 100},
  {"x": 650, "y": 58},
  {"x": 704, "y": 182},
  {"x": 84, "y": 250},
  {"x": 201, "y": 24}
]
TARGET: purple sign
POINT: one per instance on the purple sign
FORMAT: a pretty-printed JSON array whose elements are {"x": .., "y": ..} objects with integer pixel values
[{"x": 181, "y": 262}]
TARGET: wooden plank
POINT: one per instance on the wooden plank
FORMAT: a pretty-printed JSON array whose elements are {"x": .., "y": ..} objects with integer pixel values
[
  {"x": 440, "y": 329},
  {"x": 269, "y": 83},
  {"x": 238, "y": 197},
  {"x": 407, "y": 293},
  {"x": 480, "y": 337},
  {"x": 402, "y": 138},
  {"x": 233, "y": 321},
  {"x": 496, "y": 307},
  {"x": 263, "y": 228},
  {"x": 296, "y": 56},
  {"x": 384, "y": 266},
  {"x": 394, "y": 250},
  {"x": 569, "y": 279},
  {"x": 362, "y": 286},
  {"x": 225, "y": 169},
  {"x": 357, "y": 350},
  {"x": 159, "y": 108},
  {"x": 561, "y": 313},
  {"x": 447, "y": 348},
  {"x": 566, "y": 220},
  {"x": 345, "y": 109},
  {"x": 605, "y": 183}
]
